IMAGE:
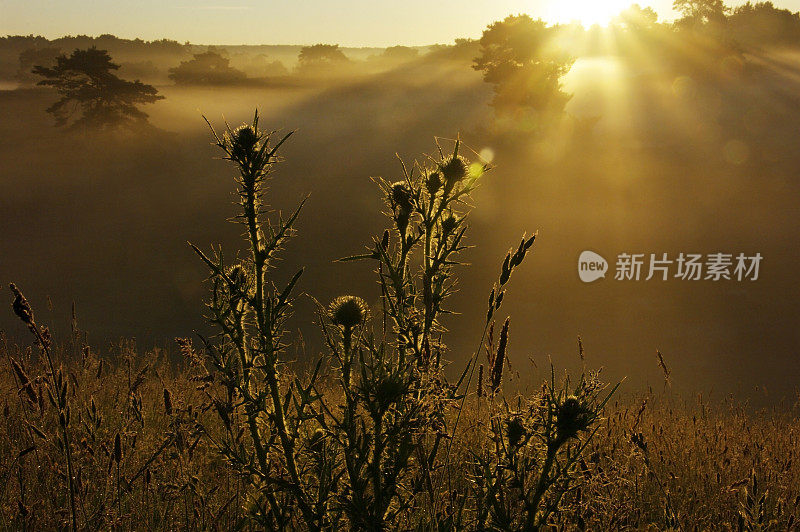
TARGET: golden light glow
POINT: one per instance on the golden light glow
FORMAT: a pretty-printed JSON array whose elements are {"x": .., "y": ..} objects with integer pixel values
[{"x": 587, "y": 12}]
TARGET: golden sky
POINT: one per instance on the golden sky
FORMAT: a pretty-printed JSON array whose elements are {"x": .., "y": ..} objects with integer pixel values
[{"x": 346, "y": 22}]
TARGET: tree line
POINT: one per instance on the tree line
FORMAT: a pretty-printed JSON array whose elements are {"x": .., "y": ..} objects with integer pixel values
[{"x": 516, "y": 56}]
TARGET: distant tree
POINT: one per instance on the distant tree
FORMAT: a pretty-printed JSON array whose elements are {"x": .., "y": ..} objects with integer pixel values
[
  {"x": 321, "y": 58},
  {"x": 400, "y": 53},
  {"x": 763, "y": 24},
  {"x": 207, "y": 68},
  {"x": 87, "y": 85},
  {"x": 45, "y": 56},
  {"x": 700, "y": 12},
  {"x": 637, "y": 18},
  {"x": 518, "y": 58}
]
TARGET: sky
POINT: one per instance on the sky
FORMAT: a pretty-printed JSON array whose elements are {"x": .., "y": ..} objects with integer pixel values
[{"x": 344, "y": 22}]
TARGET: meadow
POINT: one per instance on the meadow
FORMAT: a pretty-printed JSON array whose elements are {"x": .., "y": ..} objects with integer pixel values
[{"x": 256, "y": 380}]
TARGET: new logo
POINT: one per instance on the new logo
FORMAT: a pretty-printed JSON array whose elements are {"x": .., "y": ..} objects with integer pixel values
[{"x": 591, "y": 266}]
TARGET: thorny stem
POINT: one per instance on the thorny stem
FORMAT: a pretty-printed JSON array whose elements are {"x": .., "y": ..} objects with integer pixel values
[
  {"x": 377, "y": 473},
  {"x": 268, "y": 348}
]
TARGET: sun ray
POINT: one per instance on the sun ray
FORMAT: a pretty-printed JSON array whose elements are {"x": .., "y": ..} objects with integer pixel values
[{"x": 587, "y": 12}]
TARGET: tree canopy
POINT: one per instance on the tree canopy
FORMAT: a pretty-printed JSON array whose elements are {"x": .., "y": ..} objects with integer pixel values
[
  {"x": 321, "y": 58},
  {"x": 698, "y": 12},
  {"x": 517, "y": 57},
  {"x": 90, "y": 89},
  {"x": 207, "y": 68}
]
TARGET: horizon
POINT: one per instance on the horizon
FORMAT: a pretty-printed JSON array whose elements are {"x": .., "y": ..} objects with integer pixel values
[{"x": 218, "y": 23}]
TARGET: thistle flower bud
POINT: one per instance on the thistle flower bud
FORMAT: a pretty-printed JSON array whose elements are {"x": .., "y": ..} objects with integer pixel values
[
  {"x": 433, "y": 183},
  {"x": 449, "y": 223},
  {"x": 243, "y": 143},
  {"x": 515, "y": 431},
  {"x": 316, "y": 443},
  {"x": 240, "y": 281},
  {"x": 388, "y": 392},
  {"x": 348, "y": 311},
  {"x": 454, "y": 170},
  {"x": 238, "y": 275},
  {"x": 401, "y": 197},
  {"x": 572, "y": 416}
]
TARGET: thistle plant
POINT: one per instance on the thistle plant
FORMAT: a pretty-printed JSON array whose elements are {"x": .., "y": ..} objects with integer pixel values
[
  {"x": 394, "y": 416},
  {"x": 250, "y": 313},
  {"x": 370, "y": 446},
  {"x": 520, "y": 479}
]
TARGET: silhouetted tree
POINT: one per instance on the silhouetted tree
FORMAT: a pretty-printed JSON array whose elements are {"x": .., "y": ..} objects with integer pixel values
[
  {"x": 400, "y": 53},
  {"x": 700, "y": 12},
  {"x": 207, "y": 68},
  {"x": 321, "y": 58},
  {"x": 86, "y": 84},
  {"x": 762, "y": 23},
  {"x": 518, "y": 57},
  {"x": 637, "y": 18}
]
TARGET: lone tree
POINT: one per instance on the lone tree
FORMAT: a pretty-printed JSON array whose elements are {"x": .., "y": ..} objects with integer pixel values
[
  {"x": 86, "y": 84},
  {"x": 518, "y": 58},
  {"x": 321, "y": 59},
  {"x": 207, "y": 68}
]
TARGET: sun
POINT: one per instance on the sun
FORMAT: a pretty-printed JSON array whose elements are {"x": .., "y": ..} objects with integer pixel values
[{"x": 587, "y": 12}]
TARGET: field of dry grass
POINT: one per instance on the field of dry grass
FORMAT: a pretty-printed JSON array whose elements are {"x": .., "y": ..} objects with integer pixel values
[{"x": 656, "y": 462}]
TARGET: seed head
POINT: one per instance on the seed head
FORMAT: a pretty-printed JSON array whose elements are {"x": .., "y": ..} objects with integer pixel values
[
  {"x": 167, "y": 402},
  {"x": 348, "y": 311},
  {"x": 117, "y": 449},
  {"x": 21, "y": 306},
  {"x": 500, "y": 357}
]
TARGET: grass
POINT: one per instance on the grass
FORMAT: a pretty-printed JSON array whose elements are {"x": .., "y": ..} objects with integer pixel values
[
  {"x": 375, "y": 435},
  {"x": 699, "y": 469}
]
